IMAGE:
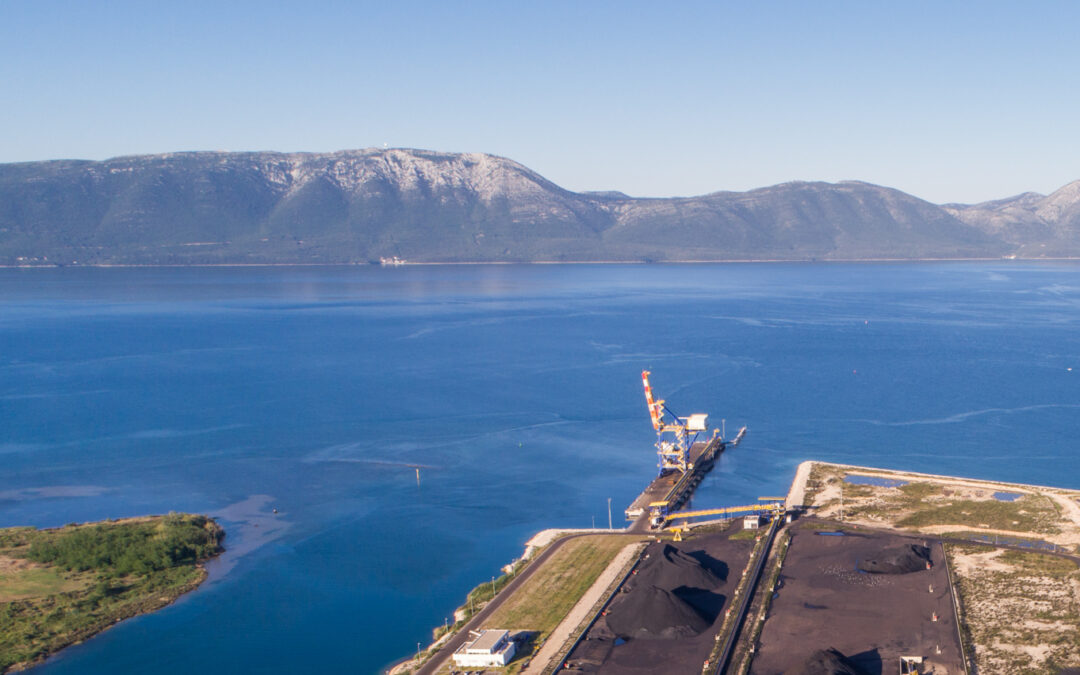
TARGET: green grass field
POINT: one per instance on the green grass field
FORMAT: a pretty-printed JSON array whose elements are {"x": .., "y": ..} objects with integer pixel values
[
  {"x": 553, "y": 590},
  {"x": 39, "y": 581}
]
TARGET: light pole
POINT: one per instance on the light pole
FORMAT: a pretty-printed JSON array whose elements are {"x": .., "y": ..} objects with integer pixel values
[
  {"x": 609, "y": 514},
  {"x": 492, "y": 587}
]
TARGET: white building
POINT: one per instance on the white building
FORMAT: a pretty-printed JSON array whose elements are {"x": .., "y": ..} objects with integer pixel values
[{"x": 486, "y": 648}]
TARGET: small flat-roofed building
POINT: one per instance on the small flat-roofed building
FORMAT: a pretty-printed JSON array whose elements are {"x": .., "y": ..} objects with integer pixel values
[
  {"x": 486, "y": 648},
  {"x": 751, "y": 522}
]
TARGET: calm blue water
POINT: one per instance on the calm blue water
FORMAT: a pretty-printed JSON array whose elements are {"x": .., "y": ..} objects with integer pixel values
[{"x": 311, "y": 390}]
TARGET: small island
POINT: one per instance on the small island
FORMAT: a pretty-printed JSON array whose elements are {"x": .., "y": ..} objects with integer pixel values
[{"x": 63, "y": 585}]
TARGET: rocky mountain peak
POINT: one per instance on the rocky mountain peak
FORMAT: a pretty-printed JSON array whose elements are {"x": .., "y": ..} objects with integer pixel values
[{"x": 422, "y": 205}]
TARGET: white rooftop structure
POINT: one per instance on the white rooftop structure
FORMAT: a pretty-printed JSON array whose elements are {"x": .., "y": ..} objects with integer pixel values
[
  {"x": 697, "y": 422},
  {"x": 486, "y": 648}
]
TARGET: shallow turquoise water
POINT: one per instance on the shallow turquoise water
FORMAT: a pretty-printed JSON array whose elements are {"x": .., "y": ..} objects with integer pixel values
[{"x": 517, "y": 390}]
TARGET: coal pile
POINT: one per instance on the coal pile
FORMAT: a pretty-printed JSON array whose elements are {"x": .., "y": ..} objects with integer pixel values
[
  {"x": 672, "y": 568},
  {"x": 671, "y": 596},
  {"x": 656, "y": 613},
  {"x": 898, "y": 560},
  {"x": 829, "y": 662}
]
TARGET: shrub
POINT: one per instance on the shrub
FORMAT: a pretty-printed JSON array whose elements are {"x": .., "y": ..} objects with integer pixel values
[{"x": 129, "y": 548}]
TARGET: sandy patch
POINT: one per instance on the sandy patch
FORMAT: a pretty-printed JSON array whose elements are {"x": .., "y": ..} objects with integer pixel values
[
  {"x": 971, "y": 563},
  {"x": 1037, "y": 653},
  {"x": 797, "y": 493},
  {"x": 941, "y": 529},
  {"x": 13, "y": 565}
]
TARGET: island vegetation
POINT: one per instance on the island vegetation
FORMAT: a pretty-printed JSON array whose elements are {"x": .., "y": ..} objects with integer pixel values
[{"x": 60, "y": 586}]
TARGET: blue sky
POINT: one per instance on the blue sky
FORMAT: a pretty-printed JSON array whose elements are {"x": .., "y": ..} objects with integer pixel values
[{"x": 951, "y": 101}]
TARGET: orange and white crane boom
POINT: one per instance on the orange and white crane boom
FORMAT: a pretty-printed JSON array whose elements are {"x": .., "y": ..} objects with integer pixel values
[
  {"x": 655, "y": 407},
  {"x": 674, "y": 437}
]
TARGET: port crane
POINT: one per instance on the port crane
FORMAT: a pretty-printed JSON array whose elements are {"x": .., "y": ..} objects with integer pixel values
[{"x": 674, "y": 434}]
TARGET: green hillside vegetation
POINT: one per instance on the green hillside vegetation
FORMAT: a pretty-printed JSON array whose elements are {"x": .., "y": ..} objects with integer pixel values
[{"x": 61, "y": 586}]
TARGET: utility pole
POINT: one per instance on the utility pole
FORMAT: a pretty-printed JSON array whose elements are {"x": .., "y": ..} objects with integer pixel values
[
  {"x": 594, "y": 522},
  {"x": 609, "y": 514},
  {"x": 493, "y": 587}
]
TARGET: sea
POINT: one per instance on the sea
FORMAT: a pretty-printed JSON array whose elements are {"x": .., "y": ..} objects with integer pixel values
[{"x": 378, "y": 440}]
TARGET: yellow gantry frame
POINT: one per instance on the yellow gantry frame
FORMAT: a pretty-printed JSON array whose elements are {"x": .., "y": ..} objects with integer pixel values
[{"x": 775, "y": 508}]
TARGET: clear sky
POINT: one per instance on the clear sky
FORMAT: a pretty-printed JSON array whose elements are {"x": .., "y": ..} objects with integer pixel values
[{"x": 951, "y": 101}]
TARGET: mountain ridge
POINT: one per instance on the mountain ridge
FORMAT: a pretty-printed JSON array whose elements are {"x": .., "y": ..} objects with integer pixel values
[{"x": 357, "y": 206}]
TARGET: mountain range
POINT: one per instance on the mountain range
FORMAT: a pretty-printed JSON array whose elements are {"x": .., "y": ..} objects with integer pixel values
[{"x": 358, "y": 206}]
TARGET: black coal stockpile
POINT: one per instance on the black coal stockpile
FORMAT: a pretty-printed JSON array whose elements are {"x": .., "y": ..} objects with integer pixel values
[
  {"x": 670, "y": 597},
  {"x": 897, "y": 560},
  {"x": 653, "y": 612},
  {"x": 829, "y": 662},
  {"x": 672, "y": 568}
]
